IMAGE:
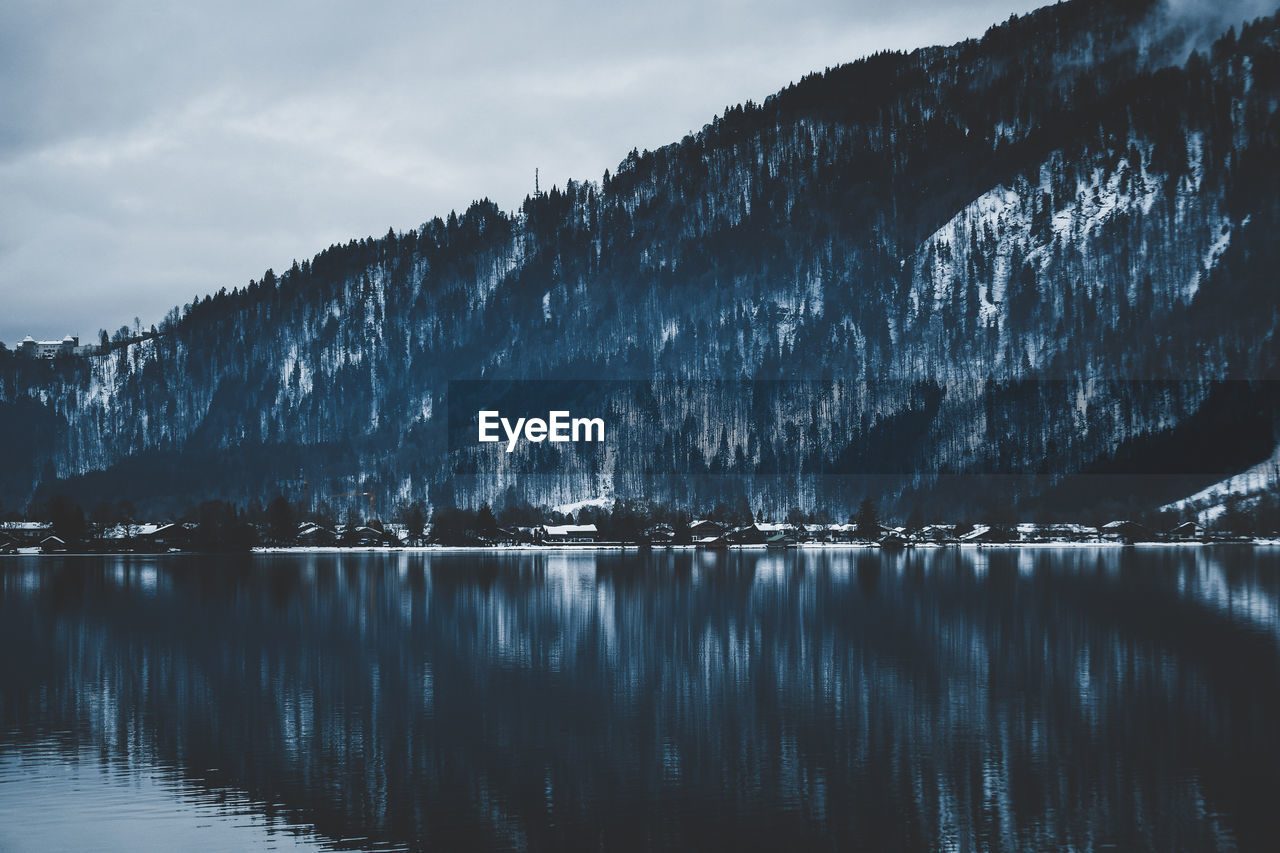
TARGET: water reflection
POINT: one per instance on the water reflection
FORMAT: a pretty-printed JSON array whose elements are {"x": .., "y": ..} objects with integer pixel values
[{"x": 999, "y": 699}]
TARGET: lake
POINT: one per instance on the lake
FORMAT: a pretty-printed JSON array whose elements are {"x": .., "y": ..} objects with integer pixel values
[{"x": 1094, "y": 698}]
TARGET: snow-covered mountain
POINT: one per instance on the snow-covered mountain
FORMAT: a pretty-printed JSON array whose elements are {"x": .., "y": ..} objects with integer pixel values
[{"x": 1034, "y": 267}]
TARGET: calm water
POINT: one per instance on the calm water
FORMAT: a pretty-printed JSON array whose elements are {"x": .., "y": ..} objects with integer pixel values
[{"x": 1092, "y": 699}]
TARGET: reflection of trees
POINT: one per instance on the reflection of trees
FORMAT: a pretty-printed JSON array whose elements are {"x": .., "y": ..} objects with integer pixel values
[{"x": 1010, "y": 698}]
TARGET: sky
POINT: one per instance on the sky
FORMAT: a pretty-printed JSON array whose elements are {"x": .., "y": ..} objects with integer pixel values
[{"x": 151, "y": 151}]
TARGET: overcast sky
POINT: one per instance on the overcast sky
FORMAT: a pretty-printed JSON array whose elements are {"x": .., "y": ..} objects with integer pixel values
[{"x": 152, "y": 151}]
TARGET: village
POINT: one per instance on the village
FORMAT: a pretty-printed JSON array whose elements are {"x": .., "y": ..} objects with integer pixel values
[{"x": 42, "y": 537}]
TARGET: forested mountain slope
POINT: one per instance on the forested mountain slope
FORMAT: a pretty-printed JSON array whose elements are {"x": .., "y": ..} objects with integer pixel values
[{"x": 1045, "y": 253}]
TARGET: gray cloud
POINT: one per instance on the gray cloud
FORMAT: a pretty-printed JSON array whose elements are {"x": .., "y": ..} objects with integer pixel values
[{"x": 151, "y": 151}]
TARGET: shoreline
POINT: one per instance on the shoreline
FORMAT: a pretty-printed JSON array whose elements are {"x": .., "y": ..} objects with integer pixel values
[{"x": 268, "y": 551}]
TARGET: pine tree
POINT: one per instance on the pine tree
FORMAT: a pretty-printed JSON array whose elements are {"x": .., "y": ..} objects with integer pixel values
[{"x": 867, "y": 519}]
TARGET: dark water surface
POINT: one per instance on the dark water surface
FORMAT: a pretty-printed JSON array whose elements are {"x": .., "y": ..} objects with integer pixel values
[{"x": 1035, "y": 699}]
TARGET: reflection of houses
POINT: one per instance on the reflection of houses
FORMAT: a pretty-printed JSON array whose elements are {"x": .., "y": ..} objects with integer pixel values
[
  {"x": 1126, "y": 531},
  {"x": 1188, "y": 531},
  {"x": 561, "y": 533}
]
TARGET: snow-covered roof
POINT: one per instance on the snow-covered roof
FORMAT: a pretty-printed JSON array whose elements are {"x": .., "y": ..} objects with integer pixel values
[
  {"x": 568, "y": 529},
  {"x": 26, "y": 525},
  {"x": 978, "y": 531},
  {"x": 126, "y": 531}
]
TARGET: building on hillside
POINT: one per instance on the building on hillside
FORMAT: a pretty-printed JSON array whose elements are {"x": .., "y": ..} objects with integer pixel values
[{"x": 68, "y": 346}]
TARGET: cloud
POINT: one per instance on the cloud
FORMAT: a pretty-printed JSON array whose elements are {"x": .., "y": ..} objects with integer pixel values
[{"x": 155, "y": 151}]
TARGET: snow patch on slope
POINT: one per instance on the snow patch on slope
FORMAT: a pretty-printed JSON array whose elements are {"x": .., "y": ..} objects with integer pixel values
[{"x": 1209, "y": 503}]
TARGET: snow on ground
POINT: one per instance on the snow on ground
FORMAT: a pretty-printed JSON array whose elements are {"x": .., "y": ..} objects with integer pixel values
[
  {"x": 1209, "y": 503},
  {"x": 602, "y": 502}
]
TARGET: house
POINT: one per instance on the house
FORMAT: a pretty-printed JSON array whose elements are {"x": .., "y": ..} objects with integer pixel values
[
  {"x": 936, "y": 533},
  {"x": 508, "y": 536},
  {"x": 26, "y": 534},
  {"x": 145, "y": 537},
  {"x": 1028, "y": 532},
  {"x": 561, "y": 533},
  {"x": 702, "y": 528},
  {"x": 985, "y": 534},
  {"x": 816, "y": 532},
  {"x": 371, "y": 536},
  {"x": 1126, "y": 531},
  {"x": 1188, "y": 531},
  {"x": 660, "y": 534},
  {"x": 53, "y": 545},
  {"x": 8, "y": 545},
  {"x": 759, "y": 533},
  {"x": 163, "y": 537},
  {"x": 68, "y": 346},
  {"x": 893, "y": 541},
  {"x": 842, "y": 533},
  {"x": 316, "y": 536}
]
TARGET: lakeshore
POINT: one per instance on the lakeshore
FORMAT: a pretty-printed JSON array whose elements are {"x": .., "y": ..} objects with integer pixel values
[{"x": 613, "y": 547}]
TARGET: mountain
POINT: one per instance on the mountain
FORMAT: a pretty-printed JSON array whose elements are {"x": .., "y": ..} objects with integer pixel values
[{"x": 1034, "y": 269}]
